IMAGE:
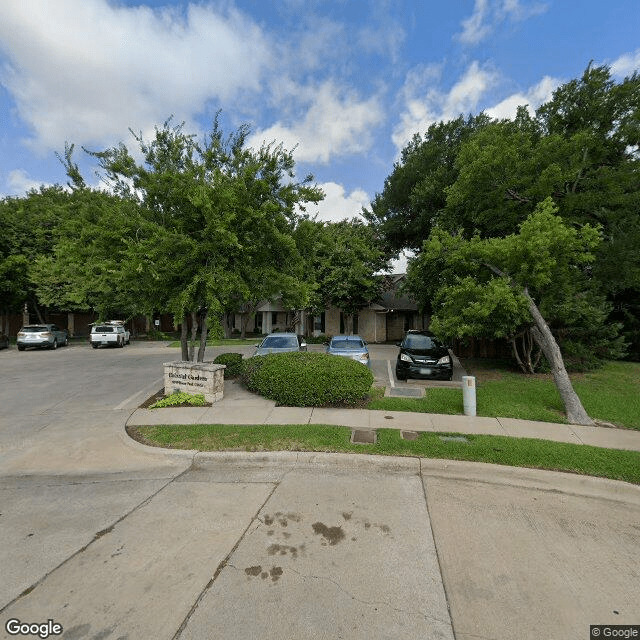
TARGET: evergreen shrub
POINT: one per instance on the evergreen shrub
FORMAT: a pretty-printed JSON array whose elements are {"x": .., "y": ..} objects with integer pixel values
[
  {"x": 233, "y": 362},
  {"x": 307, "y": 379}
]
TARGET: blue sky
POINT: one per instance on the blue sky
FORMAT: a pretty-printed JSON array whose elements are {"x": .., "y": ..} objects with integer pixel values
[{"x": 347, "y": 81}]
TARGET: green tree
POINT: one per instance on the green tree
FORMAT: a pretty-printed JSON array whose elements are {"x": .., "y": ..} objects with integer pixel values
[
  {"x": 28, "y": 226},
  {"x": 342, "y": 263},
  {"x": 414, "y": 195},
  {"x": 215, "y": 218},
  {"x": 582, "y": 148},
  {"x": 87, "y": 266},
  {"x": 490, "y": 286}
]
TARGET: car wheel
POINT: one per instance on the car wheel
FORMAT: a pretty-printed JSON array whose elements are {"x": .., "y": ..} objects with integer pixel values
[
  {"x": 55, "y": 344},
  {"x": 66, "y": 341},
  {"x": 120, "y": 344},
  {"x": 94, "y": 345},
  {"x": 400, "y": 376},
  {"x": 20, "y": 348}
]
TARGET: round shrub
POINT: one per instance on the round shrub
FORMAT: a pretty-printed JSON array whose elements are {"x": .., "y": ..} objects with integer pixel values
[
  {"x": 233, "y": 362},
  {"x": 307, "y": 379}
]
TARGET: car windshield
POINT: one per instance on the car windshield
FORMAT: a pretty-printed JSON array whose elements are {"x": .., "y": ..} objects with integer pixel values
[
  {"x": 418, "y": 341},
  {"x": 347, "y": 345},
  {"x": 103, "y": 328},
  {"x": 34, "y": 329},
  {"x": 279, "y": 342}
]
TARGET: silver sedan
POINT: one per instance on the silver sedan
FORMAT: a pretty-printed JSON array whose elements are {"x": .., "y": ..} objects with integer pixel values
[{"x": 353, "y": 347}]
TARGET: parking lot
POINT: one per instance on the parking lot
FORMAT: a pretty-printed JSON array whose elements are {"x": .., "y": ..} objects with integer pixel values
[{"x": 112, "y": 539}]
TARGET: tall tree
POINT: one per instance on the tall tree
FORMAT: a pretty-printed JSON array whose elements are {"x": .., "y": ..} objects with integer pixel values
[
  {"x": 582, "y": 148},
  {"x": 214, "y": 215},
  {"x": 414, "y": 195}
]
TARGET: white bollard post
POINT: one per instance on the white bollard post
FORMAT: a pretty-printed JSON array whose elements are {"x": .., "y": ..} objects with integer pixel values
[{"x": 469, "y": 395}]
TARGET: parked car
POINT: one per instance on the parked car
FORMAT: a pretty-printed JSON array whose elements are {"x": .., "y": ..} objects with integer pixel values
[
  {"x": 353, "y": 347},
  {"x": 109, "y": 333},
  {"x": 280, "y": 343},
  {"x": 422, "y": 355},
  {"x": 49, "y": 336},
  {"x": 4, "y": 341}
]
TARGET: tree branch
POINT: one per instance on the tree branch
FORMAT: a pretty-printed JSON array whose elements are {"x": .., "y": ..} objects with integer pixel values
[{"x": 512, "y": 194}]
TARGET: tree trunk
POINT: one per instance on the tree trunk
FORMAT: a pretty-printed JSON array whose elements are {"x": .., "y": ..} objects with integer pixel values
[
  {"x": 35, "y": 306},
  {"x": 348, "y": 323},
  {"x": 227, "y": 324},
  {"x": 184, "y": 343},
  {"x": 194, "y": 334},
  {"x": 245, "y": 319},
  {"x": 516, "y": 355},
  {"x": 543, "y": 336},
  {"x": 203, "y": 336}
]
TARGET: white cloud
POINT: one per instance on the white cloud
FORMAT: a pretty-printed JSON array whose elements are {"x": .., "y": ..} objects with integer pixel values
[
  {"x": 19, "y": 182},
  {"x": 537, "y": 95},
  {"x": 626, "y": 64},
  {"x": 400, "y": 265},
  {"x": 425, "y": 105},
  {"x": 488, "y": 14},
  {"x": 335, "y": 123},
  {"x": 86, "y": 71},
  {"x": 474, "y": 28},
  {"x": 386, "y": 40},
  {"x": 338, "y": 204}
]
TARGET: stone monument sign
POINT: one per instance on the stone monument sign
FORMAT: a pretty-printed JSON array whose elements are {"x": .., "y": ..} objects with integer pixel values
[{"x": 195, "y": 377}]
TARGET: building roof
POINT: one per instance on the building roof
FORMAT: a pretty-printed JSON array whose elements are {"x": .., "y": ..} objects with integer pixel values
[{"x": 392, "y": 299}]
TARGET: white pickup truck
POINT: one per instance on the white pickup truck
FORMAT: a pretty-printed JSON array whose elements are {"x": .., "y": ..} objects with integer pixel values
[{"x": 109, "y": 333}]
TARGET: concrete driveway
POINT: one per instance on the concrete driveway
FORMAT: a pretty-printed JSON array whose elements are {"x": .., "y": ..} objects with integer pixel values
[{"x": 112, "y": 540}]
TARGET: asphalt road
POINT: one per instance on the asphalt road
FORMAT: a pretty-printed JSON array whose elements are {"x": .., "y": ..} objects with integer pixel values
[{"x": 114, "y": 541}]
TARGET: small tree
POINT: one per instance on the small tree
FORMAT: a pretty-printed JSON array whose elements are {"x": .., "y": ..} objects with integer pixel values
[
  {"x": 489, "y": 286},
  {"x": 342, "y": 259}
]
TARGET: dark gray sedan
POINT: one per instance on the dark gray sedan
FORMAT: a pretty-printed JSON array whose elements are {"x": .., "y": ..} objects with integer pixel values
[{"x": 49, "y": 336}]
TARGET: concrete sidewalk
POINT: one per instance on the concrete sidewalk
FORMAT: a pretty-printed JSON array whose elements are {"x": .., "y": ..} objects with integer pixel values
[
  {"x": 239, "y": 406},
  {"x": 112, "y": 539}
]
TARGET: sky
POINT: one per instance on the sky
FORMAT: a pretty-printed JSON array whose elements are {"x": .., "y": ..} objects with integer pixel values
[{"x": 345, "y": 84}]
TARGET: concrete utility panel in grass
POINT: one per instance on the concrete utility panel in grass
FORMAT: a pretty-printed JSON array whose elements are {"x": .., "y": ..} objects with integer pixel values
[
  {"x": 363, "y": 436},
  {"x": 403, "y": 392}
]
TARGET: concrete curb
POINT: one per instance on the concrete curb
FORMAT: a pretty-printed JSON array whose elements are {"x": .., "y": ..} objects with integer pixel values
[
  {"x": 287, "y": 461},
  {"x": 536, "y": 479}
]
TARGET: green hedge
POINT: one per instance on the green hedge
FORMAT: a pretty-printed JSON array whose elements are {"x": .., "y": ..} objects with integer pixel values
[
  {"x": 307, "y": 379},
  {"x": 233, "y": 362}
]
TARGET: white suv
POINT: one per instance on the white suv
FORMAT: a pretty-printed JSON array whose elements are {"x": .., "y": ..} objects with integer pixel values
[{"x": 112, "y": 333}]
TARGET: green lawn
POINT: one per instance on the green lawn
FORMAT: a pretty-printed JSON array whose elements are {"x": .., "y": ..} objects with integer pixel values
[
  {"x": 518, "y": 452},
  {"x": 611, "y": 394}
]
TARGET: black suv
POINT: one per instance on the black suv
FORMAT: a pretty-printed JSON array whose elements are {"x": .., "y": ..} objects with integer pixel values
[{"x": 422, "y": 355}]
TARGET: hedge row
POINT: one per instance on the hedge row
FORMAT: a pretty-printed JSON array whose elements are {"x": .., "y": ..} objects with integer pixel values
[{"x": 307, "y": 379}]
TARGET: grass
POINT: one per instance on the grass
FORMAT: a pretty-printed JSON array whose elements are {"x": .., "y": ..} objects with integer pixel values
[
  {"x": 610, "y": 394},
  {"x": 515, "y": 452}
]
